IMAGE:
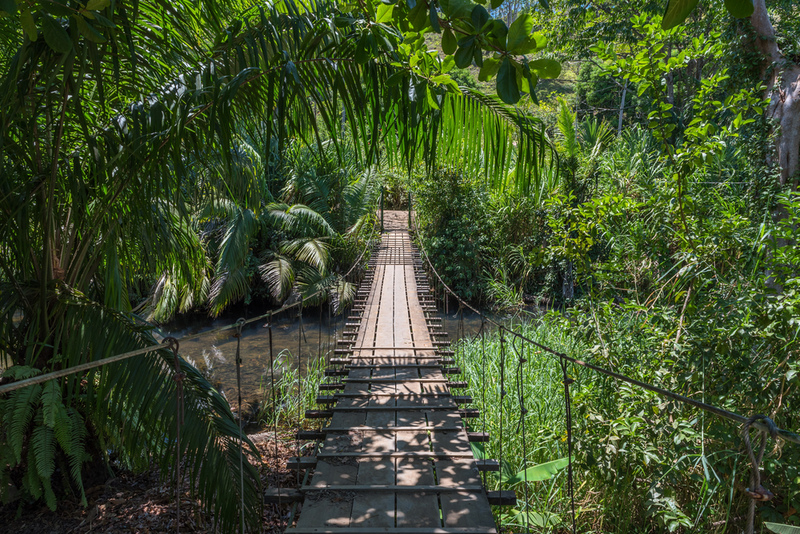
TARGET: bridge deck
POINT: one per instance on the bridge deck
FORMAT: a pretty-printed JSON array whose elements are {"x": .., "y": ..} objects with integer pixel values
[{"x": 396, "y": 457}]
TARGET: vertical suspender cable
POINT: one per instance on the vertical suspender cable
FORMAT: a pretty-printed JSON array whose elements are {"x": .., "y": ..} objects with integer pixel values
[
  {"x": 568, "y": 413},
  {"x": 502, "y": 397},
  {"x": 483, "y": 383},
  {"x": 523, "y": 412},
  {"x": 274, "y": 407},
  {"x": 178, "y": 378},
  {"x": 238, "y": 335},
  {"x": 300, "y": 388}
]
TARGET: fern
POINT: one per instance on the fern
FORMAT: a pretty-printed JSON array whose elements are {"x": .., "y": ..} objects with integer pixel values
[
  {"x": 51, "y": 400},
  {"x": 43, "y": 445},
  {"x": 77, "y": 454},
  {"x": 23, "y": 405},
  {"x": 566, "y": 125}
]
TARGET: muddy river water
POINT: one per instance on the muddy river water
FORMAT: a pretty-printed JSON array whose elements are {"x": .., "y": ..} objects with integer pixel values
[{"x": 215, "y": 353}]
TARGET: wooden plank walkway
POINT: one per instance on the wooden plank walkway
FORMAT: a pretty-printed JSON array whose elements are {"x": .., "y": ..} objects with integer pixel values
[{"x": 396, "y": 456}]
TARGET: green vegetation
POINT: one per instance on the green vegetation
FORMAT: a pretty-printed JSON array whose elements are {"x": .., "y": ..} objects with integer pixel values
[
  {"x": 161, "y": 157},
  {"x": 535, "y": 387}
]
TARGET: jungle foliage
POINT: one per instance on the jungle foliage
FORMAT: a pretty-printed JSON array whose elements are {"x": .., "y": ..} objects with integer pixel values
[
  {"x": 665, "y": 245},
  {"x": 158, "y": 157}
]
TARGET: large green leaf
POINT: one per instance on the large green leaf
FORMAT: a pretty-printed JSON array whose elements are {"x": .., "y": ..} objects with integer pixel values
[
  {"x": 457, "y": 8},
  {"x": 507, "y": 88},
  {"x": 465, "y": 54},
  {"x": 676, "y": 12},
  {"x": 546, "y": 68},
  {"x": 740, "y": 9},
  {"x": 519, "y": 31},
  {"x": 489, "y": 69},
  {"x": 55, "y": 35},
  {"x": 26, "y": 19},
  {"x": 540, "y": 472},
  {"x": 449, "y": 42},
  {"x": 782, "y": 529}
]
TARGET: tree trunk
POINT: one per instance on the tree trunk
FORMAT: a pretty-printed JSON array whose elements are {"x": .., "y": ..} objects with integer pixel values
[{"x": 782, "y": 77}]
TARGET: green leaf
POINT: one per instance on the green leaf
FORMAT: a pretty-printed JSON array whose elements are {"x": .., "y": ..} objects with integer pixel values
[
  {"x": 465, "y": 54},
  {"x": 97, "y": 5},
  {"x": 740, "y": 9},
  {"x": 384, "y": 13},
  {"x": 676, "y": 12},
  {"x": 477, "y": 55},
  {"x": 28, "y": 25},
  {"x": 519, "y": 31},
  {"x": 489, "y": 69},
  {"x": 540, "y": 472},
  {"x": 507, "y": 88},
  {"x": 89, "y": 31},
  {"x": 9, "y": 6},
  {"x": 528, "y": 46},
  {"x": 479, "y": 16},
  {"x": 431, "y": 98},
  {"x": 435, "y": 19},
  {"x": 496, "y": 3},
  {"x": 782, "y": 529},
  {"x": 546, "y": 68},
  {"x": 457, "y": 9},
  {"x": 51, "y": 402},
  {"x": 448, "y": 63},
  {"x": 55, "y": 35},
  {"x": 449, "y": 43}
]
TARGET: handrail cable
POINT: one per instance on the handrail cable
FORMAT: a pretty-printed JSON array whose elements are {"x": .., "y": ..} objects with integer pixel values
[{"x": 721, "y": 412}]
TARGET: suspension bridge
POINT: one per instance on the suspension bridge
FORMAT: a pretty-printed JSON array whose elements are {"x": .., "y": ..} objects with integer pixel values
[{"x": 395, "y": 456}]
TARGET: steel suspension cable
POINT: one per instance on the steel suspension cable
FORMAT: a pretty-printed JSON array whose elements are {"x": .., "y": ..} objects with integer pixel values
[
  {"x": 568, "y": 415},
  {"x": 300, "y": 388},
  {"x": 523, "y": 412},
  {"x": 483, "y": 385},
  {"x": 274, "y": 411},
  {"x": 502, "y": 399},
  {"x": 238, "y": 336},
  {"x": 178, "y": 377}
]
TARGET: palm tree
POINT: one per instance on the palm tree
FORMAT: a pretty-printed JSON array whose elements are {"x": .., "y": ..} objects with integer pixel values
[{"x": 116, "y": 124}]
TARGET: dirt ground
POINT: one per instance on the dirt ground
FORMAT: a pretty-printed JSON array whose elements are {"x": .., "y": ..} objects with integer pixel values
[{"x": 144, "y": 504}]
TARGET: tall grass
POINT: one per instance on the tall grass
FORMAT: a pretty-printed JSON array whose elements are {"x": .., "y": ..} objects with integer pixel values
[
  {"x": 284, "y": 402},
  {"x": 491, "y": 366}
]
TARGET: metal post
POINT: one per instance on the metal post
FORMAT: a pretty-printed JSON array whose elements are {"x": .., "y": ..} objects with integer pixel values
[{"x": 383, "y": 192}]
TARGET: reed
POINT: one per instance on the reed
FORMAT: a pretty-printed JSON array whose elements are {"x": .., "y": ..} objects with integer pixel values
[
  {"x": 284, "y": 403},
  {"x": 535, "y": 387}
]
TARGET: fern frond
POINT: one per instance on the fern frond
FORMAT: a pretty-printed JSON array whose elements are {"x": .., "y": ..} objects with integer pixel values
[
  {"x": 51, "y": 400},
  {"x": 23, "y": 405},
  {"x": 44, "y": 450}
]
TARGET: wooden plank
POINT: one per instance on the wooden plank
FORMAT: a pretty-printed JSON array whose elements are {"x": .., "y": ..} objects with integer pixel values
[
  {"x": 282, "y": 495},
  {"x": 416, "y": 509},
  {"x": 464, "y": 509},
  {"x": 328, "y": 474},
  {"x": 370, "y": 510},
  {"x": 502, "y": 498},
  {"x": 416, "y": 441},
  {"x": 412, "y": 488},
  {"x": 325, "y": 511},
  {"x": 387, "y": 428}
]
